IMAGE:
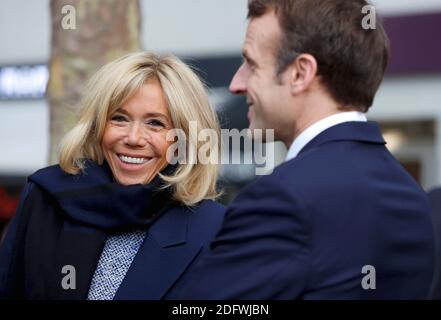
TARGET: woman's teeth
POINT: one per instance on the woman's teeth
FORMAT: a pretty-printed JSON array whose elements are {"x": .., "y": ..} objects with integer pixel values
[{"x": 127, "y": 159}]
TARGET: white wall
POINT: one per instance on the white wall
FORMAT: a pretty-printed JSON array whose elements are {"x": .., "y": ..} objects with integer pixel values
[
  {"x": 407, "y": 98},
  {"x": 194, "y": 27},
  {"x": 24, "y": 31},
  {"x": 24, "y": 138}
]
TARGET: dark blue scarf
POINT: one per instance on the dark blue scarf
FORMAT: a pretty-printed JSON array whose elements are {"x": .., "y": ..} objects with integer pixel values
[
  {"x": 92, "y": 198},
  {"x": 66, "y": 219}
]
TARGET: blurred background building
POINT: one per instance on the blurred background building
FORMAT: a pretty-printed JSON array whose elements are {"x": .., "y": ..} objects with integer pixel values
[{"x": 209, "y": 34}]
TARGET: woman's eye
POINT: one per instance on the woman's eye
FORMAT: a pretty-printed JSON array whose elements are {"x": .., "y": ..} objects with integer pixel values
[
  {"x": 118, "y": 118},
  {"x": 156, "y": 123}
]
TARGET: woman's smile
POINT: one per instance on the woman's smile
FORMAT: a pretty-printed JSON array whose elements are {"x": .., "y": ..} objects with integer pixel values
[
  {"x": 132, "y": 159},
  {"x": 131, "y": 163}
]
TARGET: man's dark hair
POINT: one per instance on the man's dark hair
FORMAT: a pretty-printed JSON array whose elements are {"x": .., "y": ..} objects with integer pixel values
[{"x": 351, "y": 60}]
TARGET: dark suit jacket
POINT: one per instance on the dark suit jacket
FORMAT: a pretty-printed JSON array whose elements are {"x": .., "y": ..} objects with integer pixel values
[
  {"x": 435, "y": 201},
  {"x": 44, "y": 234},
  {"x": 308, "y": 229}
]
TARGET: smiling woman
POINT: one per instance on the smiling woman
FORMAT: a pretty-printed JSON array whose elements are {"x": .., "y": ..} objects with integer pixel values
[
  {"x": 134, "y": 141},
  {"x": 125, "y": 222},
  {"x": 161, "y": 94}
]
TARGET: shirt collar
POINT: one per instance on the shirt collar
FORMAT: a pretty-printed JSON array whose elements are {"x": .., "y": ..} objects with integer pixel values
[{"x": 315, "y": 129}]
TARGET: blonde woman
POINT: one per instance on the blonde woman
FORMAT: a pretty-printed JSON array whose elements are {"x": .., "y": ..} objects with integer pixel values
[{"x": 116, "y": 219}]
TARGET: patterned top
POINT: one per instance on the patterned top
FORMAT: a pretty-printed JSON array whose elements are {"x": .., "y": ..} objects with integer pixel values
[{"x": 115, "y": 260}]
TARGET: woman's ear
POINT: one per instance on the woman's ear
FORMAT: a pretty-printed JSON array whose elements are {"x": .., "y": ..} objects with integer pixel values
[{"x": 303, "y": 72}]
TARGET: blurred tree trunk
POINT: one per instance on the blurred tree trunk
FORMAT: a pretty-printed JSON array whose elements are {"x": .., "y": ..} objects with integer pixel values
[{"x": 103, "y": 30}]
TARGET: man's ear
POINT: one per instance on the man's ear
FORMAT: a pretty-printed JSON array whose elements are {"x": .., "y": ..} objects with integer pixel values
[{"x": 303, "y": 73}]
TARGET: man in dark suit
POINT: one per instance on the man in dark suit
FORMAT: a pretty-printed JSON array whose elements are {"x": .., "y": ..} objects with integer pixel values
[{"x": 340, "y": 219}]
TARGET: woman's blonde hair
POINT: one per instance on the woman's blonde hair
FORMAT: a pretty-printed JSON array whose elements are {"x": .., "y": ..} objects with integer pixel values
[{"x": 187, "y": 101}]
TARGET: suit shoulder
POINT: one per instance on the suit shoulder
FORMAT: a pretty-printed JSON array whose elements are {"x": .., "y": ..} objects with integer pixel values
[
  {"x": 208, "y": 210},
  {"x": 277, "y": 181},
  {"x": 211, "y": 205},
  {"x": 48, "y": 175},
  {"x": 206, "y": 218},
  {"x": 436, "y": 192},
  {"x": 47, "y": 170}
]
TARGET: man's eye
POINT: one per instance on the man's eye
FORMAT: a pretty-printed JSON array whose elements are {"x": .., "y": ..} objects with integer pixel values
[
  {"x": 249, "y": 65},
  {"x": 118, "y": 118}
]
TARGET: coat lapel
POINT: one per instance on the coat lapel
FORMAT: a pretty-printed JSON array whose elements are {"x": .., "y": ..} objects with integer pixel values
[
  {"x": 52, "y": 242},
  {"x": 163, "y": 257},
  {"x": 71, "y": 251}
]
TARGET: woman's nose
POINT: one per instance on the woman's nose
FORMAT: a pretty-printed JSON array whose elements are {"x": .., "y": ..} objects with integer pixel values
[{"x": 136, "y": 137}]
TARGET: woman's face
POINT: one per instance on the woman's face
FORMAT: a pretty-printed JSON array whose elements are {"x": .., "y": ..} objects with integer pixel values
[{"x": 134, "y": 141}]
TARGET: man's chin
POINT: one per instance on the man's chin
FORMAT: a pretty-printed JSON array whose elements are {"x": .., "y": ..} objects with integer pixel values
[
  {"x": 255, "y": 133},
  {"x": 259, "y": 134}
]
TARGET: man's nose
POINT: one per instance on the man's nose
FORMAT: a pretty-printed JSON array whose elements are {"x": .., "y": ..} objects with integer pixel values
[
  {"x": 238, "y": 84},
  {"x": 136, "y": 136}
]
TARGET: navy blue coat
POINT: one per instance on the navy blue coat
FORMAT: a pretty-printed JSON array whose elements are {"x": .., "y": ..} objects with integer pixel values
[
  {"x": 435, "y": 201},
  {"x": 54, "y": 227},
  {"x": 307, "y": 230}
]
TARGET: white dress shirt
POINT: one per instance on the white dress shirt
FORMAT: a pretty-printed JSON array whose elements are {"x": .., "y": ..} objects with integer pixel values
[{"x": 315, "y": 129}]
